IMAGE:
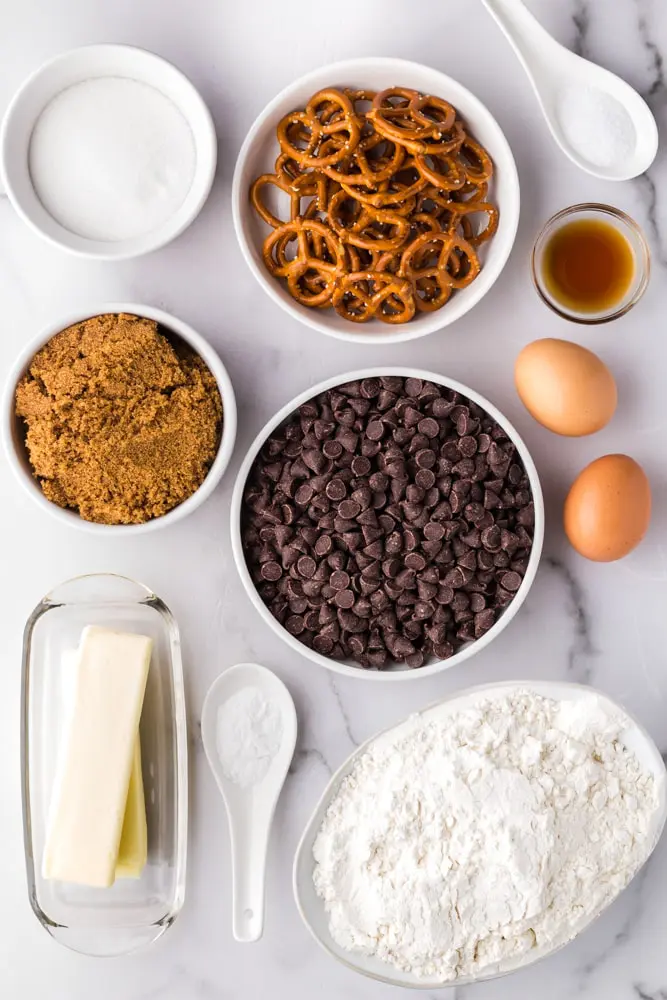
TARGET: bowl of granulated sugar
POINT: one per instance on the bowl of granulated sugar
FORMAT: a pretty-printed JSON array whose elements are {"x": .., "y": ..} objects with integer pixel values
[{"x": 108, "y": 151}]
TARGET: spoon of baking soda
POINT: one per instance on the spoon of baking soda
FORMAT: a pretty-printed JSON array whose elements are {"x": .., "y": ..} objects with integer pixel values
[
  {"x": 597, "y": 119},
  {"x": 249, "y": 731}
]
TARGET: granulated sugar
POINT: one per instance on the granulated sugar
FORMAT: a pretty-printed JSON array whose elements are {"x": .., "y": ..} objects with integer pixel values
[
  {"x": 112, "y": 159},
  {"x": 596, "y": 125}
]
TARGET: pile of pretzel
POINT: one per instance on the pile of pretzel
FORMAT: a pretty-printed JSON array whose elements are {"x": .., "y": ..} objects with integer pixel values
[{"x": 383, "y": 188}]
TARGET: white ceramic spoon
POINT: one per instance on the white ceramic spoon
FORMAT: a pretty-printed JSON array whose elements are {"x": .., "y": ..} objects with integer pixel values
[
  {"x": 250, "y": 809},
  {"x": 558, "y": 75}
]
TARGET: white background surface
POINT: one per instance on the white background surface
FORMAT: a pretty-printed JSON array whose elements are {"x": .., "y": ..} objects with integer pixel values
[{"x": 603, "y": 624}]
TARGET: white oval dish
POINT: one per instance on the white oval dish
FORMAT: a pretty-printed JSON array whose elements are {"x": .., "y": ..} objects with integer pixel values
[
  {"x": 311, "y": 907},
  {"x": 348, "y": 667},
  {"x": 259, "y": 152},
  {"x": 73, "y": 67},
  {"x": 13, "y": 434}
]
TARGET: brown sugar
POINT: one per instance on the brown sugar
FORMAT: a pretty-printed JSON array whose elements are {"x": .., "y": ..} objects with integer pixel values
[{"x": 122, "y": 423}]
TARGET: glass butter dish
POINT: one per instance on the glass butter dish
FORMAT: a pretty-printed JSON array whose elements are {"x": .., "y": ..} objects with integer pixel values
[{"x": 134, "y": 911}]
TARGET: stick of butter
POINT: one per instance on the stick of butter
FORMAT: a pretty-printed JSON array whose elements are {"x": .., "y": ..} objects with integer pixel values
[
  {"x": 133, "y": 848},
  {"x": 91, "y": 792}
]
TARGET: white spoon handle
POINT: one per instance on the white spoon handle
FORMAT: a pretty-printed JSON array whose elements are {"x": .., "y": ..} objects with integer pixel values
[
  {"x": 250, "y": 841},
  {"x": 522, "y": 29}
]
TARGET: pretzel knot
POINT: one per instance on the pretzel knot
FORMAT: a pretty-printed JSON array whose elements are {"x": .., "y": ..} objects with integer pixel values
[
  {"x": 311, "y": 185},
  {"x": 437, "y": 263},
  {"x": 363, "y": 295}
]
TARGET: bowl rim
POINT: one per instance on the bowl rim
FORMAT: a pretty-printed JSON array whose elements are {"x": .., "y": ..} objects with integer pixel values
[
  {"x": 197, "y": 342},
  {"x": 543, "y": 687},
  {"x": 437, "y": 320},
  {"x": 204, "y": 139},
  {"x": 341, "y": 667}
]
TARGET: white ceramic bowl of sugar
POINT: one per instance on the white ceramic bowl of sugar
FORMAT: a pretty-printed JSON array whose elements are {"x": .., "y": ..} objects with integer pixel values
[
  {"x": 311, "y": 907},
  {"x": 94, "y": 63},
  {"x": 259, "y": 152}
]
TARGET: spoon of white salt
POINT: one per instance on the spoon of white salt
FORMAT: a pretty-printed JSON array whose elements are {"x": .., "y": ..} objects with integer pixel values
[
  {"x": 597, "y": 119},
  {"x": 249, "y": 733}
]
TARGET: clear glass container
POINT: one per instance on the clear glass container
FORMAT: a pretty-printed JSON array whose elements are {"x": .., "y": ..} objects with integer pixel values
[
  {"x": 132, "y": 912},
  {"x": 636, "y": 241}
]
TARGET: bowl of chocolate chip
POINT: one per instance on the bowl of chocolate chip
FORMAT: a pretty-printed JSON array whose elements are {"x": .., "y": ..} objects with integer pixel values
[{"x": 388, "y": 523}]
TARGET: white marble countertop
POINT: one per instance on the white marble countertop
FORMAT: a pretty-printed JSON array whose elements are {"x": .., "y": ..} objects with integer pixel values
[{"x": 594, "y": 623}]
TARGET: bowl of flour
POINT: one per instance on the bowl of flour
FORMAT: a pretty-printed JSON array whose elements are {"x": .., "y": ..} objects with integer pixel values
[{"x": 481, "y": 834}]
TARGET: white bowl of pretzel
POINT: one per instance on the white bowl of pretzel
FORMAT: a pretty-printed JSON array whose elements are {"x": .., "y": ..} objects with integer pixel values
[{"x": 376, "y": 200}]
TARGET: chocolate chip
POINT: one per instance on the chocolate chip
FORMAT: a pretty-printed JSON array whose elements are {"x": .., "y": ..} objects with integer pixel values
[
  {"x": 417, "y": 562},
  {"x": 349, "y": 509},
  {"x": 336, "y": 489},
  {"x": 413, "y": 386},
  {"x": 306, "y": 566},
  {"x": 344, "y": 598},
  {"x": 271, "y": 571},
  {"x": 375, "y": 430},
  {"x": 323, "y": 644},
  {"x": 295, "y": 624},
  {"x": 360, "y": 466},
  {"x": 339, "y": 580},
  {"x": 510, "y": 581},
  {"x": 425, "y": 458},
  {"x": 429, "y": 427},
  {"x": 425, "y": 479}
]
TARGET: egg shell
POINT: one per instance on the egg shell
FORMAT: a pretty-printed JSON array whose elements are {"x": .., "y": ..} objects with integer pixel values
[
  {"x": 565, "y": 387},
  {"x": 608, "y": 509}
]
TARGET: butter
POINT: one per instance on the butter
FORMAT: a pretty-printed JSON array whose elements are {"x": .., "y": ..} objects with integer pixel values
[
  {"x": 133, "y": 848},
  {"x": 99, "y": 756}
]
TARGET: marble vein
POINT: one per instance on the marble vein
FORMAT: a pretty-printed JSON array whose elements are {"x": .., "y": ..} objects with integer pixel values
[
  {"x": 643, "y": 994},
  {"x": 582, "y": 22},
  {"x": 582, "y": 643},
  {"x": 343, "y": 712},
  {"x": 305, "y": 756},
  {"x": 656, "y": 97}
]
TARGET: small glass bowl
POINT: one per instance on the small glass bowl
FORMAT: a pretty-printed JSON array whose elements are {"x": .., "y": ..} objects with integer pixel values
[{"x": 631, "y": 232}]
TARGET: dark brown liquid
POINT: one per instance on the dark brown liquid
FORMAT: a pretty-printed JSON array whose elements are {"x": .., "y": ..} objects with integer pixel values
[{"x": 588, "y": 266}]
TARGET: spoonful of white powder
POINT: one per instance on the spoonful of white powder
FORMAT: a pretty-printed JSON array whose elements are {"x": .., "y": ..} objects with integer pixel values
[
  {"x": 598, "y": 120},
  {"x": 249, "y": 733}
]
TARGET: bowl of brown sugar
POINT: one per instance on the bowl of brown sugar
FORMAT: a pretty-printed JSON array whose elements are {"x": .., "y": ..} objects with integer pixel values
[{"x": 122, "y": 419}]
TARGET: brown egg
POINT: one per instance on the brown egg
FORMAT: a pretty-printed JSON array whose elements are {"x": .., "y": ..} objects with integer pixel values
[
  {"x": 608, "y": 509},
  {"x": 565, "y": 387}
]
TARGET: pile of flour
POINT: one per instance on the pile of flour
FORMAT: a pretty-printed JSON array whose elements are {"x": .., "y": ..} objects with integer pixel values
[{"x": 461, "y": 841}]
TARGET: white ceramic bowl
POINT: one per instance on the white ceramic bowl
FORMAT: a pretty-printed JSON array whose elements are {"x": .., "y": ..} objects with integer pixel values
[
  {"x": 311, "y": 907},
  {"x": 348, "y": 667},
  {"x": 73, "y": 67},
  {"x": 13, "y": 433},
  {"x": 259, "y": 152}
]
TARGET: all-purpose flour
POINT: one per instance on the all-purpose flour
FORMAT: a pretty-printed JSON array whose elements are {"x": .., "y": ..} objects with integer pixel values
[{"x": 464, "y": 840}]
